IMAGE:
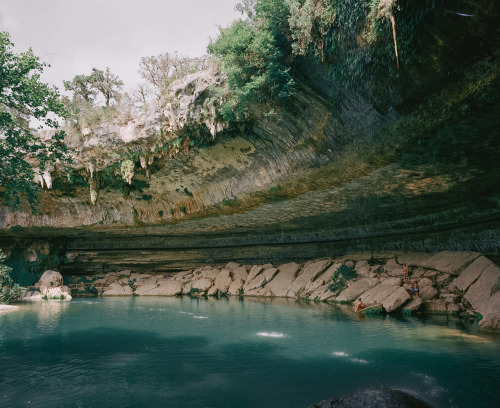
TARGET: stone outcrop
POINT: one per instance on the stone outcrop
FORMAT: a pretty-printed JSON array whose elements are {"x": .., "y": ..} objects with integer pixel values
[
  {"x": 50, "y": 286},
  {"x": 384, "y": 398},
  {"x": 440, "y": 291}
]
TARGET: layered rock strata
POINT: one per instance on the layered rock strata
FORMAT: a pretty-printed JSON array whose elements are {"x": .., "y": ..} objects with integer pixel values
[{"x": 450, "y": 283}]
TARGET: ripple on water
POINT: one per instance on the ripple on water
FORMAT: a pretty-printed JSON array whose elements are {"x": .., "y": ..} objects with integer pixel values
[{"x": 271, "y": 334}]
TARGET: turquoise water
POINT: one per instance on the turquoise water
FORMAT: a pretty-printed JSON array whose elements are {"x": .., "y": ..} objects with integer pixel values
[{"x": 183, "y": 352}]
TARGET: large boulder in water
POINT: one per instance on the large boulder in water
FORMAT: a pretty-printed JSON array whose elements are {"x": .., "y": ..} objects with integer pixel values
[
  {"x": 385, "y": 398},
  {"x": 49, "y": 279},
  {"x": 51, "y": 286}
]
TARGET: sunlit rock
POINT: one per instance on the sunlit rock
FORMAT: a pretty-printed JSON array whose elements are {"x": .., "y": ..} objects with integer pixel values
[
  {"x": 221, "y": 283},
  {"x": 380, "y": 292},
  {"x": 280, "y": 285},
  {"x": 356, "y": 289},
  {"x": 395, "y": 300},
  {"x": 470, "y": 274},
  {"x": 50, "y": 279},
  {"x": 239, "y": 273},
  {"x": 236, "y": 287},
  {"x": 32, "y": 295},
  {"x": 308, "y": 274},
  {"x": 414, "y": 304},
  {"x": 116, "y": 289}
]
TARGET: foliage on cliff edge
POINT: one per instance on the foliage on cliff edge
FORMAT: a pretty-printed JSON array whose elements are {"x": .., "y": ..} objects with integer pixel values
[{"x": 23, "y": 98}]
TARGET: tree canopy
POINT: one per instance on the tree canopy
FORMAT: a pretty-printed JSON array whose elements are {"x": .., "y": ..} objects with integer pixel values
[
  {"x": 161, "y": 70},
  {"x": 254, "y": 54},
  {"x": 23, "y": 97}
]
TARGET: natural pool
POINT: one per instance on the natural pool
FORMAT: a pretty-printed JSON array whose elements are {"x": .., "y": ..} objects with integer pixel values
[{"x": 183, "y": 352}]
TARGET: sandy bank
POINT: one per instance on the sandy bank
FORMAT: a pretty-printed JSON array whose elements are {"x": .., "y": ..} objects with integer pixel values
[{"x": 8, "y": 308}]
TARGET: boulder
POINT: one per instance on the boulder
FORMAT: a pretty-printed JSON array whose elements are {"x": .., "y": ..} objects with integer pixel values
[
  {"x": 236, "y": 287},
  {"x": 183, "y": 276},
  {"x": 144, "y": 289},
  {"x": 59, "y": 292},
  {"x": 491, "y": 314},
  {"x": 221, "y": 283},
  {"x": 427, "y": 290},
  {"x": 435, "y": 306},
  {"x": 321, "y": 293},
  {"x": 395, "y": 300},
  {"x": 167, "y": 287},
  {"x": 231, "y": 266},
  {"x": 254, "y": 271},
  {"x": 202, "y": 284},
  {"x": 49, "y": 279},
  {"x": 151, "y": 281},
  {"x": 257, "y": 282},
  {"x": 210, "y": 273},
  {"x": 487, "y": 285},
  {"x": 392, "y": 268},
  {"x": 443, "y": 277},
  {"x": 414, "y": 259},
  {"x": 384, "y": 398},
  {"x": 448, "y": 262},
  {"x": 320, "y": 280},
  {"x": 280, "y": 285},
  {"x": 31, "y": 295},
  {"x": 308, "y": 274},
  {"x": 470, "y": 274},
  {"x": 116, "y": 289},
  {"x": 380, "y": 292},
  {"x": 239, "y": 273},
  {"x": 415, "y": 303},
  {"x": 356, "y": 289}
]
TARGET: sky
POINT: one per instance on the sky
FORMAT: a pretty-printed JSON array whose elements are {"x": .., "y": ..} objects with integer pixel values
[{"x": 73, "y": 36}]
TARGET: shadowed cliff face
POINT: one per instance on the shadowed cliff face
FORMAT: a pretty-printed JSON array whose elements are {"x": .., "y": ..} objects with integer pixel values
[{"x": 320, "y": 176}]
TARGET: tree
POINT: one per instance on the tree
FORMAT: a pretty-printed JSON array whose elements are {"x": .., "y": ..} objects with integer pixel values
[
  {"x": 107, "y": 83},
  {"x": 161, "y": 70},
  {"x": 23, "y": 98},
  {"x": 8, "y": 289},
  {"x": 81, "y": 86},
  {"x": 254, "y": 62}
]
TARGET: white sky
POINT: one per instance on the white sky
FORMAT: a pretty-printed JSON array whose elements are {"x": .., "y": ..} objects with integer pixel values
[{"x": 74, "y": 36}]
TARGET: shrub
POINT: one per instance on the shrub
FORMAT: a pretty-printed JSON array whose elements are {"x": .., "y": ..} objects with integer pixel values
[
  {"x": 338, "y": 281},
  {"x": 8, "y": 289}
]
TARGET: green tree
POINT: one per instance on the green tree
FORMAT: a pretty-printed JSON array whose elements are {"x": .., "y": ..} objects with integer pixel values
[
  {"x": 255, "y": 54},
  {"x": 81, "y": 86},
  {"x": 8, "y": 289},
  {"x": 24, "y": 98},
  {"x": 107, "y": 83}
]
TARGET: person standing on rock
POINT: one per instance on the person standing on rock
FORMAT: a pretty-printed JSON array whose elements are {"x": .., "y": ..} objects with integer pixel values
[{"x": 406, "y": 278}]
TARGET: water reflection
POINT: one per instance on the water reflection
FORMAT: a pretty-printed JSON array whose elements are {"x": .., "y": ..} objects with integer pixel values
[{"x": 49, "y": 313}]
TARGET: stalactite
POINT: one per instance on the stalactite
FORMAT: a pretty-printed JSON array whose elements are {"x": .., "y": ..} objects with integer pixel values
[{"x": 393, "y": 21}]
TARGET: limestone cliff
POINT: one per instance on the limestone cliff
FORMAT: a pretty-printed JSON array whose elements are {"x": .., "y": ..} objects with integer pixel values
[{"x": 323, "y": 174}]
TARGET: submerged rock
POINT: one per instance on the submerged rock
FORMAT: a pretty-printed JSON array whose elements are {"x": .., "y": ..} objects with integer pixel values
[{"x": 384, "y": 398}]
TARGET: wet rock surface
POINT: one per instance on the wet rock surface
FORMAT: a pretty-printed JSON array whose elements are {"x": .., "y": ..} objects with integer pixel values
[{"x": 385, "y": 398}]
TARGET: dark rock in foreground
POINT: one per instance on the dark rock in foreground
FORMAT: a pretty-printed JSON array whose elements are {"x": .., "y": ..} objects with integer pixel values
[{"x": 384, "y": 398}]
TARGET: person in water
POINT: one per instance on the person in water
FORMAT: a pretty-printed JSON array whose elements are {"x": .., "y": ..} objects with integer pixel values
[{"x": 358, "y": 305}]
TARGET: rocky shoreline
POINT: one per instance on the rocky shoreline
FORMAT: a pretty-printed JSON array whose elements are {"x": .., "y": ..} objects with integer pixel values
[{"x": 456, "y": 283}]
